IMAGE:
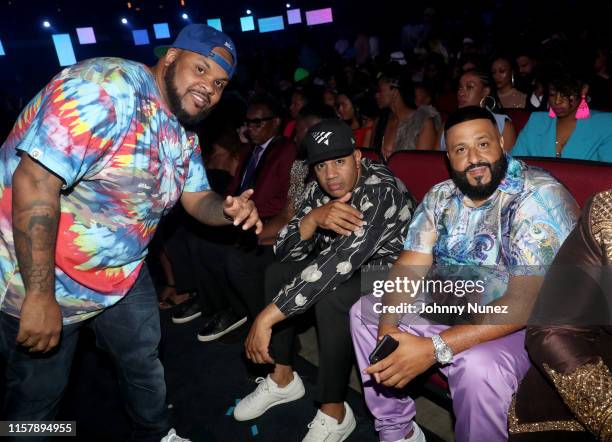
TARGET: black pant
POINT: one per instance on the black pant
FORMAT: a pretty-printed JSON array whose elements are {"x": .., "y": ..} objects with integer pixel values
[
  {"x": 246, "y": 270},
  {"x": 332, "y": 320}
]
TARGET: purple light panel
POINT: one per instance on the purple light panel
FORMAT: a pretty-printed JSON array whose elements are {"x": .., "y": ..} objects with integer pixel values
[
  {"x": 294, "y": 16},
  {"x": 319, "y": 16},
  {"x": 86, "y": 36}
]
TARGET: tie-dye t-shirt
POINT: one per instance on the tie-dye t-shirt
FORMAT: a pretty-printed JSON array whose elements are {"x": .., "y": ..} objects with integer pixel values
[
  {"x": 102, "y": 127},
  {"x": 517, "y": 231}
]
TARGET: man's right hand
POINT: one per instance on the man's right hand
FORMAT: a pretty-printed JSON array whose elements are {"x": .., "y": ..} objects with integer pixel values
[
  {"x": 40, "y": 325},
  {"x": 337, "y": 216}
]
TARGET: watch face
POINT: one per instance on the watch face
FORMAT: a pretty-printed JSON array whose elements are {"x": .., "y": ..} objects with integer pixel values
[{"x": 444, "y": 355}]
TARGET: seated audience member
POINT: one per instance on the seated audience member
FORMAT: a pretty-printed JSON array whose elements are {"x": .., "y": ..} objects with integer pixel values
[
  {"x": 329, "y": 97},
  {"x": 495, "y": 211},
  {"x": 246, "y": 269},
  {"x": 223, "y": 159},
  {"x": 402, "y": 126},
  {"x": 600, "y": 81},
  {"x": 502, "y": 72},
  {"x": 354, "y": 215},
  {"x": 299, "y": 99},
  {"x": 528, "y": 80},
  {"x": 569, "y": 129},
  {"x": 351, "y": 115},
  {"x": 476, "y": 89},
  {"x": 265, "y": 169},
  {"x": 567, "y": 392}
]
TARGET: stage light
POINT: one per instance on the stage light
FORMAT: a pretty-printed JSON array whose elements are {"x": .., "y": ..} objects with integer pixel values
[
  {"x": 294, "y": 16},
  {"x": 271, "y": 24},
  {"x": 248, "y": 11},
  {"x": 86, "y": 35},
  {"x": 64, "y": 49},
  {"x": 46, "y": 24},
  {"x": 141, "y": 37},
  {"x": 288, "y": 5},
  {"x": 215, "y": 23},
  {"x": 2, "y": 49},
  {"x": 319, "y": 16},
  {"x": 124, "y": 21},
  {"x": 161, "y": 30},
  {"x": 185, "y": 16},
  {"x": 247, "y": 23}
]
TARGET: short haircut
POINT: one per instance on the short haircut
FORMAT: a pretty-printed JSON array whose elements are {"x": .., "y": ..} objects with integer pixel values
[
  {"x": 269, "y": 102},
  {"x": 468, "y": 113}
]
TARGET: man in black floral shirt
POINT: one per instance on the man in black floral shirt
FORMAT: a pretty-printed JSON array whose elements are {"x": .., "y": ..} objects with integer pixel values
[{"x": 355, "y": 214}]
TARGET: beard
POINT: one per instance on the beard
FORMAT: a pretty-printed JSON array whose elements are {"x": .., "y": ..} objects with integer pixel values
[
  {"x": 481, "y": 191},
  {"x": 175, "y": 105}
]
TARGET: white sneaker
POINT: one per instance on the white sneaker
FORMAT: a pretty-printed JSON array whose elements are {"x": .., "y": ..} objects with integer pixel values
[
  {"x": 325, "y": 428},
  {"x": 173, "y": 437},
  {"x": 267, "y": 395},
  {"x": 417, "y": 435}
]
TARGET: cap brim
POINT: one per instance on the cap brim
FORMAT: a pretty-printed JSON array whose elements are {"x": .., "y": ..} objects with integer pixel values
[{"x": 160, "y": 51}]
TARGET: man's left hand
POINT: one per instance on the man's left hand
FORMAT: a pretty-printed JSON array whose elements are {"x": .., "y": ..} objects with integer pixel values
[
  {"x": 413, "y": 356},
  {"x": 243, "y": 211},
  {"x": 258, "y": 341}
]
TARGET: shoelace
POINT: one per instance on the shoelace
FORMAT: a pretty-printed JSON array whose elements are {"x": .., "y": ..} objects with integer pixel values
[
  {"x": 319, "y": 429},
  {"x": 262, "y": 386}
]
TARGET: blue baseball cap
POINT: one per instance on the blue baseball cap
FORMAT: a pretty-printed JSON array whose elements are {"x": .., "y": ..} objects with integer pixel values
[{"x": 203, "y": 39}]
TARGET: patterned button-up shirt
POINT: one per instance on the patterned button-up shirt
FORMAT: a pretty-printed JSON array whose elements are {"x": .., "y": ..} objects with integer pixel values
[
  {"x": 518, "y": 230},
  {"x": 387, "y": 208}
]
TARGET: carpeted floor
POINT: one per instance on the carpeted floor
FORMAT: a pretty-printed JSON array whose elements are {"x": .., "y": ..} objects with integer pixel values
[{"x": 204, "y": 381}]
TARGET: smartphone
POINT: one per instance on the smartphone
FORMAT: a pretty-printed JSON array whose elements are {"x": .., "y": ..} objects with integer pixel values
[{"x": 385, "y": 347}]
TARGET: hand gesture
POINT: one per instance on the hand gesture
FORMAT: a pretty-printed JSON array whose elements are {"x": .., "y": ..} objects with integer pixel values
[
  {"x": 242, "y": 210},
  {"x": 338, "y": 216}
]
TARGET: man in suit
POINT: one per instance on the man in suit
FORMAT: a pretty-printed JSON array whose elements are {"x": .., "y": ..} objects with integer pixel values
[{"x": 265, "y": 168}]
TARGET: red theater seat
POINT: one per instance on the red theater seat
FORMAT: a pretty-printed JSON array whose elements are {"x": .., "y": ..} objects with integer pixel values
[
  {"x": 371, "y": 154},
  {"x": 519, "y": 118},
  {"x": 420, "y": 170}
]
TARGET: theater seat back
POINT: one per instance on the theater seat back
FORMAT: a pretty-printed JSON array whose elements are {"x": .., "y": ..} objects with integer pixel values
[
  {"x": 420, "y": 170},
  {"x": 371, "y": 154},
  {"x": 582, "y": 178},
  {"x": 519, "y": 118}
]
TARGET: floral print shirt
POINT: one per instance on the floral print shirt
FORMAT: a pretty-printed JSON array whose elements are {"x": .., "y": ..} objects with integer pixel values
[{"x": 387, "y": 207}]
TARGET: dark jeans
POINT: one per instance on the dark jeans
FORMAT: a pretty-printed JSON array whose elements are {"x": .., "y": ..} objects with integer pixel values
[
  {"x": 332, "y": 319},
  {"x": 129, "y": 331}
]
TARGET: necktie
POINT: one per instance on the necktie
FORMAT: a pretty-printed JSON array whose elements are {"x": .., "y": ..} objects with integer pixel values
[{"x": 250, "y": 169}]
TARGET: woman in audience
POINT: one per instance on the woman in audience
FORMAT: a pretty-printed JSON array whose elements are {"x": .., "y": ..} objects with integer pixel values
[
  {"x": 503, "y": 75},
  {"x": 402, "y": 126},
  {"x": 570, "y": 129},
  {"x": 350, "y": 113},
  {"x": 299, "y": 99},
  {"x": 476, "y": 89}
]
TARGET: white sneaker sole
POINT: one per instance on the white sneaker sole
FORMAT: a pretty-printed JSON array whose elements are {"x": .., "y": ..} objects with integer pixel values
[
  {"x": 234, "y": 326},
  {"x": 273, "y": 404},
  {"x": 185, "y": 319}
]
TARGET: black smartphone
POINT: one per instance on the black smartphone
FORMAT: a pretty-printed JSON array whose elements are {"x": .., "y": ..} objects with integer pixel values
[{"x": 384, "y": 348}]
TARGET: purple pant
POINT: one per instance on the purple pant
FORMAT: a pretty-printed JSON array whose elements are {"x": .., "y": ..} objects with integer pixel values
[{"x": 481, "y": 379}]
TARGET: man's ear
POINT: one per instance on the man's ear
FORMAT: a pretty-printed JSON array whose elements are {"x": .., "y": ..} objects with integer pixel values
[
  {"x": 357, "y": 156},
  {"x": 171, "y": 56}
]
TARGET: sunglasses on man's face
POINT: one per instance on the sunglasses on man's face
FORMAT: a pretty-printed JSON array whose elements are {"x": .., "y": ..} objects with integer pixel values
[{"x": 258, "y": 122}]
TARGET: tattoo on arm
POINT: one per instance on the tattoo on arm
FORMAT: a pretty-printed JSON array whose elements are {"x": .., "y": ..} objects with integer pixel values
[{"x": 35, "y": 221}]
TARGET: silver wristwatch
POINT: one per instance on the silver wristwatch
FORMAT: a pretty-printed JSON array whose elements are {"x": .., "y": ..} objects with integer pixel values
[{"x": 442, "y": 352}]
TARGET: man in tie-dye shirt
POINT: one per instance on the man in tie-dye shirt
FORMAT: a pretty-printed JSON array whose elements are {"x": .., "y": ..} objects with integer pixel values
[
  {"x": 92, "y": 164},
  {"x": 496, "y": 214}
]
